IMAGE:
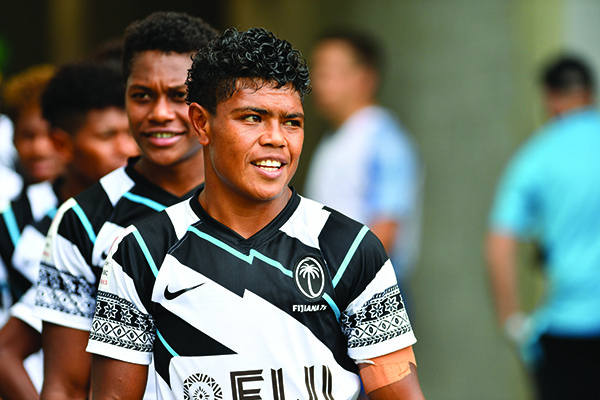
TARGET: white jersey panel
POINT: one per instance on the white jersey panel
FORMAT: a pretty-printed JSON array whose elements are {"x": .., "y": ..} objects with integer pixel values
[
  {"x": 28, "y": 253},
  {"x": 183, "y": 213},
  {"x": 116, "y": 183},
  {"x": 307, "y": 225},
  {"x": 24, "y": 309},
  {"x": 42, "y": 199}
]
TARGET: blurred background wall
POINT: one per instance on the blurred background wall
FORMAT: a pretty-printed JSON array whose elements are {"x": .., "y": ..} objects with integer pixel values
[{"x": 462, "y": 77}]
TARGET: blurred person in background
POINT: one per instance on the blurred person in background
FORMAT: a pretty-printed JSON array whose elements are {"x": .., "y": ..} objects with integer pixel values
[
  {"x": 156, "y": 57},
  {"x": 39, "y": 163},
  {"x": 38, "y": 160},
  {"x": 550, "y": 195},
  {"x": 10, "y": 181},
  {"x": 369, "y": 167},
  {"x": 84, "y": 105}
]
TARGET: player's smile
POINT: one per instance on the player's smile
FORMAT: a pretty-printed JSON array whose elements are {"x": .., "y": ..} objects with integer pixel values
[
  {"x": 162, "y": 138},
  {"x": 270, "y": 167}
]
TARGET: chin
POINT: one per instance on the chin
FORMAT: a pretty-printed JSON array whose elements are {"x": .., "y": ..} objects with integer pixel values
[{"x": 273, "y": 195}]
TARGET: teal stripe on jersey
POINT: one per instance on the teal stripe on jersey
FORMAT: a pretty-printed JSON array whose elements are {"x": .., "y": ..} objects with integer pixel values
[
  {"x": 332, "y": 304},
  {"x": 85, "y": 222},
  {"x": 247, "y": 258},
  {"x": 145, "y": 201},
  {"x": 349, "y": 255},
  {"x": 52, "y": 213},
  {"x": 146, "y": 252},
  {"x": 11, "y": 225},
  {"x": 167, "y": 346}
]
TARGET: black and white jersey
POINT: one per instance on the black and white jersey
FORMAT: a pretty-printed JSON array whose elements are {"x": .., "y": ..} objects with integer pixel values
[
  {"x": 80, "y": 236},
  {"x": 283, "y": 314},
  {"x": 35, "y": 202},
  {"x": 26, "y": 260}
]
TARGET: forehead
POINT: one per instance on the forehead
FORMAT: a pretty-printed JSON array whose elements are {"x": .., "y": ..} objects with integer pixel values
[
  {"x": 156, "y": 66},
  {"x": 263, "y": 94},
  {"x": 335, "y": 51},
  {"x": 105, "y": 118},
  {"x": 30, "y": 118}
]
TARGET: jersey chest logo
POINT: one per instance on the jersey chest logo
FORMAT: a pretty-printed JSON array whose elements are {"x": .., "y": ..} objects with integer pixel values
[{"x": 309, "y": 278}]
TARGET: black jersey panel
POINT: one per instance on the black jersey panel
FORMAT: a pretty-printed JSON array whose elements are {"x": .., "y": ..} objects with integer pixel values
[
  {"x": 12, "y": 222},
  {"x": 96, "y": 205},
  {"x": 19, "y": 283},
  {"x": 154, "y": 238},
  {"x": 177, "y": 338},
  {"x": 129, "y": 254},
  {"x": 341, "y": 232},
  {"x": 183, "y": 339},
  {"x": 43, "y": 225},
  {"x": 364, "y": 258},
  {"x": 77, "y": 229}
]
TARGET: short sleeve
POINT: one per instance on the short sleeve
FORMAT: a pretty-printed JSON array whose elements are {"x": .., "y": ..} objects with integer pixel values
[
  {"x": 66, "y": 287},
  {"x": 374, "y": 321},
  {"x": 122, "y": 328}
]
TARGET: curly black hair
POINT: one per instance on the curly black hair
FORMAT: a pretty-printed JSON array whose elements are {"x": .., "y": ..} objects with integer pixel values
[
  {"x": 255, "y": 54},
  {"x": 78, "y": 88},
  {"x": 167, "y": 32}
]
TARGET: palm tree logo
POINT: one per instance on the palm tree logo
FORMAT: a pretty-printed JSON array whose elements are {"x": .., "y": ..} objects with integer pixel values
[{"x": 310, "y": 278}]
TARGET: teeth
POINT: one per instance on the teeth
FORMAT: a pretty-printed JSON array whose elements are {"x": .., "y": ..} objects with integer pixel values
[
  {"x": 269, "y": 164},
  {"x": 163, "y": 135}
]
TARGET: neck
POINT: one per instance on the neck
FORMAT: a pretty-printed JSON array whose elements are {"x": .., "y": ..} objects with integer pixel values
[
  {"x": 244, "y": 217},
  {"x": 71, "y": 186},
  {"x": 177, "y": 179}
]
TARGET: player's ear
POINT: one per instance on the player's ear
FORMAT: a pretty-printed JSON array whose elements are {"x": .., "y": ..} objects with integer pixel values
[
  {"x": 199, "y": 117},
  {"x": 63, "y": 142}
]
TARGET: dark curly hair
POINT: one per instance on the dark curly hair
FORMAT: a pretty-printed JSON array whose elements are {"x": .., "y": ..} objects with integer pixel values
[
  {"x": 78, "y": 88},
  {"x": 566, "y": 73},
  {"x": 167, "y": 32},
  {"x": 255, "y": 54}
]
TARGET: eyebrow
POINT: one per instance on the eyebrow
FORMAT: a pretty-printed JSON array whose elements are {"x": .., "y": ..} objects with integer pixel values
[
  {"x": 148, "y": 87},
  {"x": 263, "y": 111}
]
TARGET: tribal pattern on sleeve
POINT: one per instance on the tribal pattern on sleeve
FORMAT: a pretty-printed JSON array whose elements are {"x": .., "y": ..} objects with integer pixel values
[
  {"x": 382, "y": 318},
  {"x": 118, "y": 322},
  {"x": 67, "y": 293}
]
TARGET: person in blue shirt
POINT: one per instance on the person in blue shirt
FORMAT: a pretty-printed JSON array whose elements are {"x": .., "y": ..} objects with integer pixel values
[
  {"x": 369, "y": 167},
  {"x": 550, "y": 194}
]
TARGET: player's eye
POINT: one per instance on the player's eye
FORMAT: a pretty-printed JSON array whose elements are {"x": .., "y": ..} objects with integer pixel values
[
  {"x": 293, "y": 122},
  {"x": 140, "y": 96},
  {"x": 252, "y": 118},
  {"x": 179, "y": 95}
]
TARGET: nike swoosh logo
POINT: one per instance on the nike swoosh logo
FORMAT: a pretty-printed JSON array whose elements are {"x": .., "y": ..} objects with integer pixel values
[{"x": 172, "y": 295}]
